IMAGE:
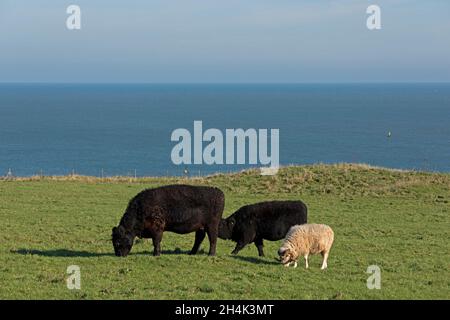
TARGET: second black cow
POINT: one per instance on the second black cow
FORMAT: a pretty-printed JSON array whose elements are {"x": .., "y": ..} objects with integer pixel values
[{"x": 269, "y": 220}]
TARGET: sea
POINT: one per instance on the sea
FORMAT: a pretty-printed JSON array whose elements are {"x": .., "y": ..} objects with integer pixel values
[{"x": 125, "y": 129}]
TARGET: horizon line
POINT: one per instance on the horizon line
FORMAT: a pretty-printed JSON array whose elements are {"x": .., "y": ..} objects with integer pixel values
[{"x": 218, "y": 83}]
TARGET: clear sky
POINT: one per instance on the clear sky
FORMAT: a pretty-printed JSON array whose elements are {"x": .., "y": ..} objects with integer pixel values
[{"x": 224, "y": 41}]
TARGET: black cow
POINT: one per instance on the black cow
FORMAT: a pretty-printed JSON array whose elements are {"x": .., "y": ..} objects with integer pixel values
[
  {"x": 265, "y": 220},
  {"x": 177, "y": 208}
]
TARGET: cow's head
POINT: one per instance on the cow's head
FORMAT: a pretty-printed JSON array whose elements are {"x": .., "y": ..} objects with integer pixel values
[
  {"x": 226, "y": 227},
  {"x": 122, "y": 241},
  {"x": 286, "y": 255}
]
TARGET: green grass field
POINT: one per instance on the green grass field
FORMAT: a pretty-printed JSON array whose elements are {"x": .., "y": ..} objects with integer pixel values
[{"x": 397, "y": 220}]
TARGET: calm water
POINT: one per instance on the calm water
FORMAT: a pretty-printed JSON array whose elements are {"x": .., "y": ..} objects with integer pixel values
[{"x": 119, "y": 128}]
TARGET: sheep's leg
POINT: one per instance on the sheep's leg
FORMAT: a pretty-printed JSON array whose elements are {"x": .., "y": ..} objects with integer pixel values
[
  {"x": 306, "y": 261},
  {"x": 295, "y": 264},
  {"x": 259, "y": 244},
  {"x": 324, "y": 262},
  {"x": 199, "y": 236}
]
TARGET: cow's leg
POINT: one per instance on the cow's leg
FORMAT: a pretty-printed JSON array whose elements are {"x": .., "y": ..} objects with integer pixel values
[
  {"x": 239, "y": 247},
  {"x": 199, "y": 236},
  {"x": 259, "y": 244},
  {"x": 157, "y": 237},
  {"x": 212, "y": 232}
]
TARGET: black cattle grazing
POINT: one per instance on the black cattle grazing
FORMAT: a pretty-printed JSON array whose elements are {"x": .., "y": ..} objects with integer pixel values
[
  {"x": 265, "y": 220},
  {"x": 177, "y": 208}
]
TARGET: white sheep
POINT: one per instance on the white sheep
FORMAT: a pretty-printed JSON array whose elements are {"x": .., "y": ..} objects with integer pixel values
[{"x": 306, "y": 239}]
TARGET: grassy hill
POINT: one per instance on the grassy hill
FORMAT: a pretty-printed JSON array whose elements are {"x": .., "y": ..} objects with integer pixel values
[{"x": 398, "y": 220}]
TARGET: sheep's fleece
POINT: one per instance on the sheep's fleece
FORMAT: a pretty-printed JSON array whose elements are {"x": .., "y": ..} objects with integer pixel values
[{"x": 306, "y": 239}]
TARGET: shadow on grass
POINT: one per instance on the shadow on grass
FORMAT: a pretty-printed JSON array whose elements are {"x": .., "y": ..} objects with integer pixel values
[
  {"x": 179, "y": 251},
  {"x": 77, "y": 253},
  {"x": 61, "y": 253},
  {"x": 254, "y": 260}
]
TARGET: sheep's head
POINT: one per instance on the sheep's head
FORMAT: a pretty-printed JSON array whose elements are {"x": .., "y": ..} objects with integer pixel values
[
  {"x": 226, "y": 227},
  {"x": 122, "y": 241},
  {"x": 286, "y": 255}
]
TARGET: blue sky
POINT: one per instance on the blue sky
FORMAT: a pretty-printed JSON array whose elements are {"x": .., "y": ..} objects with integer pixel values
[{"x": 224, "y": 41}]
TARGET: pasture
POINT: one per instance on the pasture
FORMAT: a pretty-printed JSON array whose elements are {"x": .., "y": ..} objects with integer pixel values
[{"x": 398, "y": 220}]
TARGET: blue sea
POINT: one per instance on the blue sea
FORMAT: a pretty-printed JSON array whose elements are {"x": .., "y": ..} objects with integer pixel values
[{"x": 123, "y": 129}]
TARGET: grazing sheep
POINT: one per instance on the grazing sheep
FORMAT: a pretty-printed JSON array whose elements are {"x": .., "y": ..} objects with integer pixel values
[{"x": 306, "y": 239}]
